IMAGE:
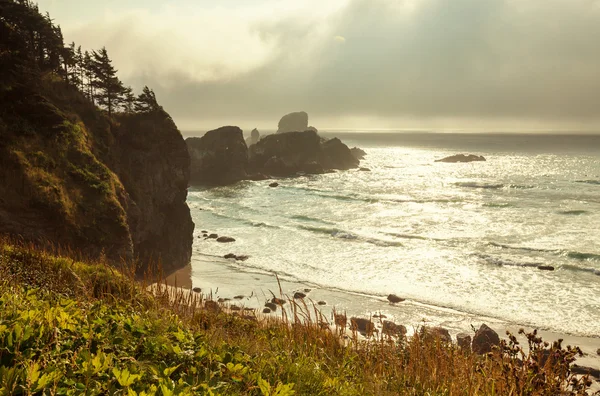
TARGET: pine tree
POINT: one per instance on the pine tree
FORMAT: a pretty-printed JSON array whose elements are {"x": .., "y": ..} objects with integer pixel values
[
  {"x": 128, "y": 100},
  {"x": 146, "y": 102},
  {"x": 88, "y": 71},
  {"x": 106, "y": 81}
]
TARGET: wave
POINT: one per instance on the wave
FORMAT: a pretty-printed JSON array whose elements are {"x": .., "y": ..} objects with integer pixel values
[
  {"x": 311, "y": 219},
  {"x": 582, "y": 256},
  {"x": 244, "y": 221},
  {"x": 349, "y": 236},
  {"x": 479, "y": 185},
  {"x": 573, "y": 212},
  {"x": 596, "y": 182},
  {"x": 497, "y": 205},
  {"x": 510, "y": 263}
]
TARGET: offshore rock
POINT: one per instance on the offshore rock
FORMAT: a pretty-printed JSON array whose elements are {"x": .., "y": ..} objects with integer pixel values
[
  {"x": 462, "y": 158},
  {"x": 293, "y": 122},
  {"x": 219, "y": 157},
  {"x": 359, "y": 154},
  {"x": 254, "y": 137}
]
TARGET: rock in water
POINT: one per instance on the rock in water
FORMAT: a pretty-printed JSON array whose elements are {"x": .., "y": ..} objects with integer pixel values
[
  {"x": 274, "y": 184},
  {"x": 336, "y": 155},
  {"x": 462, "y": 158},
  {"x": 394, "y": 299},
  {"x": 293, "y": 122},
  {"x": 485, "y": 338},
  {"x": 225, "y": 239},
  {"x": 254, "y": 137},
  {"x": 463, "y": 341},
  {"x": 219, "y": 157},
  {"x": 358, "y": 153},
  {"x": 197, "y": 290},
  {"x": 299, "y": 295}
]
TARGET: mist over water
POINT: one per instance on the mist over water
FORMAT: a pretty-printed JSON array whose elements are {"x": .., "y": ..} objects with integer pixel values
[{"x": 464, "y": 236}]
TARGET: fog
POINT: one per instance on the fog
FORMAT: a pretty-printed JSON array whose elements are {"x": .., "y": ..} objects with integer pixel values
[{"x": 376, "y": 64}]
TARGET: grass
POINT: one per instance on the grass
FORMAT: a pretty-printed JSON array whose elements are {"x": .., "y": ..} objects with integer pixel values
[{"x": 73, "y": 327}]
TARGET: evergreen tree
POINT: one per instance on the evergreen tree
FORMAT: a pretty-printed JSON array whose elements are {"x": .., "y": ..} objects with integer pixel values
[
  {"x": 88, "y": 71},
  {"x": 128, "y": 100},
  {"x": 110, "y": 88},
  {"x": 146, "y": 102}
]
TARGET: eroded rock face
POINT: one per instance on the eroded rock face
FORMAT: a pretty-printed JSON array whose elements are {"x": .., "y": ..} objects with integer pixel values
[
  {"x": 462, "y": 158},
  {"x": 219, "y": 157},
  {"x": 151, "y": 159},
  {"x": 283, "y": 154},
  {"x": 485, "y": 339},
  {"x": 293, "y": 122}
]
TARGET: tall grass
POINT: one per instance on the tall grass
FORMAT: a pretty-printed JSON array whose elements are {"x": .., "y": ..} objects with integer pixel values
[{"x": 84, "y": 327}]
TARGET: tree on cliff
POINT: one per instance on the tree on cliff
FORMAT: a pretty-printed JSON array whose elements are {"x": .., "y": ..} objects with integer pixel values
[
  {"x": 106, "y": 81},
  {"x": 146, "y": 102}
]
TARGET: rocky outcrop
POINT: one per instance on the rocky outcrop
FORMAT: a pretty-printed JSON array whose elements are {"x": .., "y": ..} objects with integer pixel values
[
  {"x": 73, "y": 177},
  {"x": 287, "y": 154},
  {"x": 462, "y": 158},
  {"x": 151, "y": 159},
  {"x": 219, "y": 157},
  {"x": 433, "y": 333},
  {"x": 254, "y": 137},
  {"x": 359, "y": 154},
  {"x": 362, "y": 325},
  {"x": 336, "y": 155},
  {"x": 293, "y": 122},
  {"x": 484, "y": 340}
]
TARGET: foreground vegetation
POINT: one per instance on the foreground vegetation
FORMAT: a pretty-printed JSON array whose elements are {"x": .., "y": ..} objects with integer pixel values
[{"x": 68, "y": 327}]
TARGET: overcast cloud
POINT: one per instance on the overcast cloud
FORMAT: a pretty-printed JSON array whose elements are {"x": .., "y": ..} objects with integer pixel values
[{"x": 502, "y": 64}]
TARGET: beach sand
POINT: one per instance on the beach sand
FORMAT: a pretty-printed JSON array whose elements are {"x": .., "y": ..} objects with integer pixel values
[{"x": 226, "y": 279}]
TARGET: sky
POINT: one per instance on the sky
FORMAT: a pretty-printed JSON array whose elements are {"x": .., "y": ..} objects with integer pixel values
[{"x": 481, "y": 65}]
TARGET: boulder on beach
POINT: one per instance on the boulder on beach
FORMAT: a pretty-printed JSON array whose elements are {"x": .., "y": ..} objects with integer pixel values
[
  {"x": 278, "y": 301},
  {"x": 225, "y": 239},
  {"x": 364, "y": 169},
  {"x": 219, "y": 157},
  {"x": 266, "y": 311},
  {"x": 293, "y": 122},
  {"x": 394, "y": 299},
  {"x": 197, "y": 290},
  {"x": 299, "y": 295},
  {"x": 274, "y": 185},
  {"x": 463, "y": 341},
  {"x": 213, "y": 236},
  {"x": 392, "y": 329},
  {"x": 462, "y": 158},
  {"x": 362, "y": 325},
  {"x": 440, "y": 333},
  {"x": 271, "y": 306},
  {"x": 484, "y": 340},
  {"x": 325, "y": 303},
  {"x": 230, "y": 256}
]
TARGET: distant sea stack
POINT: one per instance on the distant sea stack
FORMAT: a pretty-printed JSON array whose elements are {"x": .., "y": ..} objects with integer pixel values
[
  {"x": 293, "y": 122},
  {"x": 254, "y": 137},
  {"x": 462, "y": 158},
  {"x": 222, "y": 156},
  {"x": 72, "y": 176}
]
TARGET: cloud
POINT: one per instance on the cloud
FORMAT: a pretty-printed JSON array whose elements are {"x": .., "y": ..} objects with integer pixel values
[{"x": 427, "y": 62}]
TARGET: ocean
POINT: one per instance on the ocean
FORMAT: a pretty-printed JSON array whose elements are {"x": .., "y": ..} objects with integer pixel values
[{"x": 467, "y": 237}]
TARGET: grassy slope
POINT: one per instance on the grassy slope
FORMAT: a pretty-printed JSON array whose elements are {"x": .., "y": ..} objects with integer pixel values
[{"x": 68, "y": 327}]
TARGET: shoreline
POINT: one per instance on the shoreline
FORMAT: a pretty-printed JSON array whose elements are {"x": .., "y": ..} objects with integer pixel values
[{"x": 226, "y": 279}]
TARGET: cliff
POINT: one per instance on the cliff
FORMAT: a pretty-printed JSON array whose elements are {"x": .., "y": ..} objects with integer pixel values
[{"x": 71, "y": 176}]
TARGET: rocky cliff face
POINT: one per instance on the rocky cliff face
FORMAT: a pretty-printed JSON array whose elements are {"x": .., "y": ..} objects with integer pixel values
[
  {"x": 71, "y": 177},
  {"x": 218, "y": 157}
]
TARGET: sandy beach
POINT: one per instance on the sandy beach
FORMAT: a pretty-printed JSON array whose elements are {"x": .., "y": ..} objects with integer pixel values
[{"x": 226, "y": 279}]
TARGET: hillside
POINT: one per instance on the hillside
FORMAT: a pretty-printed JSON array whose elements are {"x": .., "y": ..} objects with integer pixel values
[{"x": 72, "y": 174}]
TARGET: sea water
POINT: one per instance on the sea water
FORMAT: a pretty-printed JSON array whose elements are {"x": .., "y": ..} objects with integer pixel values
[{"x": 467, "y": 236}]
